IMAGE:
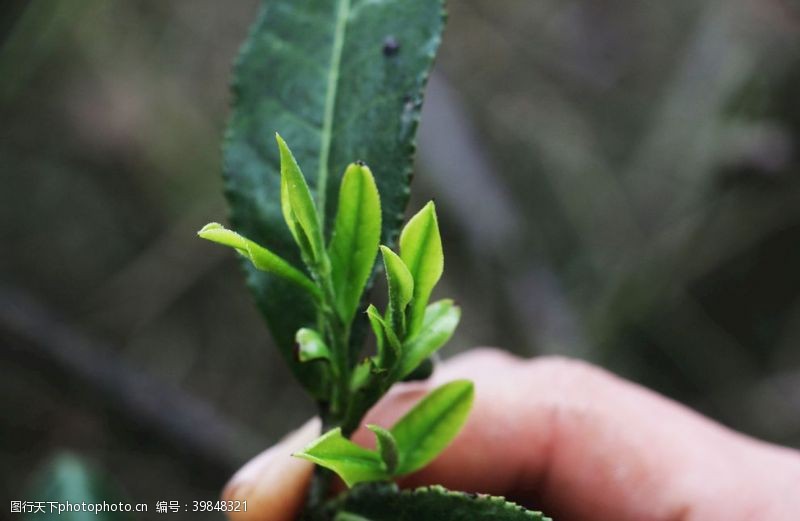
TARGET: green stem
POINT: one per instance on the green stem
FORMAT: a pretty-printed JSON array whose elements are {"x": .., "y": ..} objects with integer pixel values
[
  {"x": 337, "y": 336},
  {"x": 318, "y": 491},
  {"x": 322, "y": 479}
]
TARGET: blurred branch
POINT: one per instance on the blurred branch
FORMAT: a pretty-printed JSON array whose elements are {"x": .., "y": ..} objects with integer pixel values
[
  {"x": 530, "y": 308},
  {"x": 161, "y": 273},
  {"x": 675, "y": 164},
  {"x": 465, "y": 176},
  {"x": 10, "y": 13},
  {"x": 33, "y": 337},
  {"x": 30, "y": 37},
  {"x": 542, "y": 57}
]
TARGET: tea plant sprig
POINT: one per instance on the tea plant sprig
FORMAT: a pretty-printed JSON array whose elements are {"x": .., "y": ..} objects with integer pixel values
[
  {"x": 413, "y": 442},
  {"x": 407, "y": 333},
  {"x": 349, "y": 84}
]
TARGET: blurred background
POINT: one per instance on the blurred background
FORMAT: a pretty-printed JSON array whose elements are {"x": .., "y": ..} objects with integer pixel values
[{"x": 617, "y": 180}]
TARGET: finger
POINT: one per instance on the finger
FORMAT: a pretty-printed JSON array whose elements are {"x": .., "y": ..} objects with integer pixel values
[
  {"x": 589, "y": 445},
  {"x": 274, "y": 483}
]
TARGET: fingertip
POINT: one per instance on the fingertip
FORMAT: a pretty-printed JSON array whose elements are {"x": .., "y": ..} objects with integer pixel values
[{"x": 273, "y": 483}]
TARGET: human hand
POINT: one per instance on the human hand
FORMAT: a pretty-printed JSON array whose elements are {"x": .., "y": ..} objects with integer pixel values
[{"x": 567, "y": 438}]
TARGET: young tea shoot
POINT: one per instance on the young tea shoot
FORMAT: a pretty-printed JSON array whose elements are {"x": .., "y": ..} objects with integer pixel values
[{"x": 410, "y": 329}]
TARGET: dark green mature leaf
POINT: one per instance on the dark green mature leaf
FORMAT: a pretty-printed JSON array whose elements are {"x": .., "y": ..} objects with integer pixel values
[
  {"x": 68, "y": 479},
  {"x": 356, "y": 235},
  {"x": 421, "y": 250},
  {"x": 440, "y": 321},
  {"x": 385, "y": 502},
  {"x": 351, "y": 462},
  {"x": 401, "y": 289},
  {"x": 432, "y": 424},
  {"x": 340, "y": 80}
]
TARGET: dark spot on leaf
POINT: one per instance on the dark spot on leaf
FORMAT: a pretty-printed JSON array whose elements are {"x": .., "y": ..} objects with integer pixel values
[
  {"x": 360, "y": 162},
  {"x": 390, "y": 46}
]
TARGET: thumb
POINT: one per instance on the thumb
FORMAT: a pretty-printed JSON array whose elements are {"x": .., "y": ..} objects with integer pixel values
[{"x": 274, "y": 483}]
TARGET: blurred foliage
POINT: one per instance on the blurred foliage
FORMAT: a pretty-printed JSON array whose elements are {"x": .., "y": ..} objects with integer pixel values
[
  {"x": 641, "y": 158},
  {"x": 70, "y": 482}
]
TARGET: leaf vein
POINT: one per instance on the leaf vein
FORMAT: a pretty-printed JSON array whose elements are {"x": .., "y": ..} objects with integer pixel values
[{"x": 330, "y": 104}]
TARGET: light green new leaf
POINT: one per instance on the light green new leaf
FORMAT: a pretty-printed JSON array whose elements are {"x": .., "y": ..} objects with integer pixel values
[
  {"x": 401, "y": 289},
  {"x": 215, "y": 232},
  {"x": 292, "y": 223},
  {"x": 361, "y": 373},
  {"x": 298, "y": 205},
  {"x": 432, "y": 424},
  {"x": 300, "y": 238},
  {"x": 441, "y": 320},
  {"x": 311, "y": 346},
  {"x": 376, "y": 322},
  {"x": 387, "y": 447},
  {"x": 262, "y": 258},
  {"x": 421, "y": 250},
  {"x": 353, "y": 463},
  {"x": 356, "y": 235},
  {"x": 317, "y": 72},
  {"x": 381, "y": 330}
]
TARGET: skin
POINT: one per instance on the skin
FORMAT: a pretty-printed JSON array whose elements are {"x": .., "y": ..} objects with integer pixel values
[{"x": 567, "y": 438}]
